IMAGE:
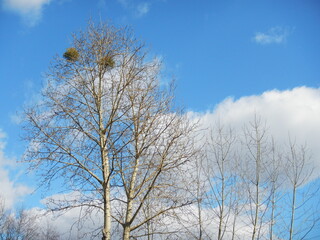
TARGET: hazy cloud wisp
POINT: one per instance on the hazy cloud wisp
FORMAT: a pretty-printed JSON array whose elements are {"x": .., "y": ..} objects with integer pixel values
[
  {"x": 143, "y": 9},
  {"x": 30, "y": 11},
  {"x": 139, "y": 10},
  {"x": 275, "y": 35}
]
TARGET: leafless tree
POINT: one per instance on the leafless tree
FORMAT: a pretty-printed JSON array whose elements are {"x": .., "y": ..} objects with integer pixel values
[
  {"x": 275, "y": 178},
  {"x": 22, "y": 224},
  {"x": 2, "y": 219},
  {"x": 108, "y": 130},
  {"x": 200, "y": 196},
  {"x": 252, "y": 185},
  {"x": 49, "y": 232},
  {"x": 219, "y": 174},
  {"x": 258, "y": 150},
  {"x": 191, "y": 218},
  {"x": 299, "y": 173}
]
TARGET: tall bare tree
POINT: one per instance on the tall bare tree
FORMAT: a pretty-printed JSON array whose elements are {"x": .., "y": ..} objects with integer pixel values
[
  {"x": 108, "y": 129},
  {"x": 258, "y": 149},
  {"x": 275, "y": 178},
  {"x": 194, "y": 223},
  {"x": 219, "y": 174},
  {"x": 299, "y": 172},
  {"x": 256, "y": 189}
]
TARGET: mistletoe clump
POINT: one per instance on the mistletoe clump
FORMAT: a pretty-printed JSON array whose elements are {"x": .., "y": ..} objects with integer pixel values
[
  {"x": 71, "y": 54},
  {"x": 107, "y": 61}
]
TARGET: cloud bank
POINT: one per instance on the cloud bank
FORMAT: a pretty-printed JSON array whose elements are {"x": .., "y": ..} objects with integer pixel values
[
  {"x": 291, "y": 113},
  {"x": 11, "y": 191},
  {"x": 275, "y": 35},
  {"x": 29, "y": 10}
]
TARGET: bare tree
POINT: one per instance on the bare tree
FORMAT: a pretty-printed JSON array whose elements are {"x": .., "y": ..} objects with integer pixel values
[
  {"x": 2, "y": 219},
  {"x": 299, "y": 172},
  {"x": 219, "y": 173},
  {"x": 200, "y": 196},
  {"x": 49, "y": 232},
  {"x": 108, "y": 130},
  {"x": 258, "y": 150},
  {"x": 275, "y": 178},
  {"x": 22, "y": 224},
  {"x": 152, "y": 157},
  {"x": 252, "y": 188},
  {"x": 194, "y": 223}
]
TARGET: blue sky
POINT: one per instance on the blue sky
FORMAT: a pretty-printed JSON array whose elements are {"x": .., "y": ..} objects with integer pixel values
[{"x": 215, "y": 49}]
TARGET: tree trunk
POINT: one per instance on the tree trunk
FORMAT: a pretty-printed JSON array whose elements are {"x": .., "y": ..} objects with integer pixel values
[
  {"x": 273, "y": 206},
  {"x": 257, "y": 183},
  {"x": 107, "y": 215},
  {"x": 293, "y": 208},
  {"x": 234, "y": 227},
  {"x": 126, "y": 232},
  {"x": 220, "y": 232},
  {"x": 127, "y": 224}
]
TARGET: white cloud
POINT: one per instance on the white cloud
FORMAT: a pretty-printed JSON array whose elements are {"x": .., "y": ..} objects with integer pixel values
[
  {"x": 294, "y": 112},
  {"x": 29, "y": 10},
  {"x": 11, "y": 190},
  {"x": 275, "y": 35}
]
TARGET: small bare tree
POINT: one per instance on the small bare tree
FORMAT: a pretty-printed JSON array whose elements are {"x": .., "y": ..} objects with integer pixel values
[
  {"x": 22, "y": 224},
  {"x": 108, "y": 129}
]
